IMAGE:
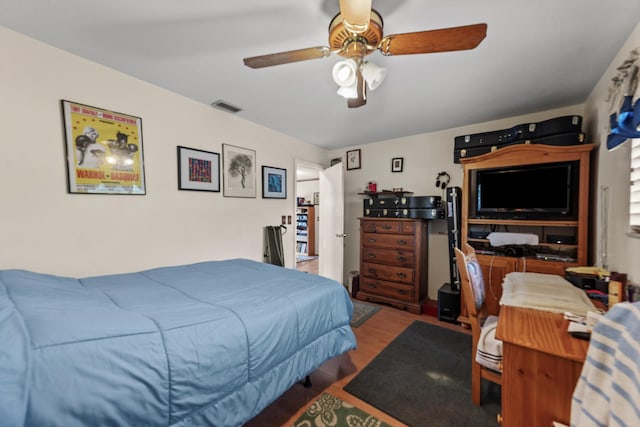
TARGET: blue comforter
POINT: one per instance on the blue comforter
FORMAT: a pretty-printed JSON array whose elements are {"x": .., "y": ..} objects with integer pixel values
[{"x": 208, "y": 344}]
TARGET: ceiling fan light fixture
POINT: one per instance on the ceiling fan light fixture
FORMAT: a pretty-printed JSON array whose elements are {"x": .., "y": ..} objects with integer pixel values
[
  {"x": 373, "y": 74},
  {"x": 344, "y": 73},
  {"x": 350, "y": 92},
  {"x": 355, "y": 15}
]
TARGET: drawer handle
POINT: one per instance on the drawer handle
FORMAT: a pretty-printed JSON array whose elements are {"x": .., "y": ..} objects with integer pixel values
[
  {"x": 372, "y": 271},
  {"x": 373, "y": 285},
  {"x": 402, "y": 259},
  {"x": 402, "y": 275},
  {"x": 386, "y": 227},
  {"x": 371, "y": 255},
  {"x": 372, "y": 240},
  {"x": 402, "y": 242},
  {"x": 401, "y": 291}
]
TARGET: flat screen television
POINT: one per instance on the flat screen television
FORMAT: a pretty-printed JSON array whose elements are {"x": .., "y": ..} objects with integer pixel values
[{"x": 542, "y": 191}]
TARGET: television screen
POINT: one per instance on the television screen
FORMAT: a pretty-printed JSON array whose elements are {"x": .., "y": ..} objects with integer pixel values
[{"x": 526, "y": 192}]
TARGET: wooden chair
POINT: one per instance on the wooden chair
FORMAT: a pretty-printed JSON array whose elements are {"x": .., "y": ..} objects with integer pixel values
[{"x": 474, "y": 298}]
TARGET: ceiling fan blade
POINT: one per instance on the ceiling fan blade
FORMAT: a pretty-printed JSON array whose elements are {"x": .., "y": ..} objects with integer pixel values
[
  {"x": 287, "y": 57},
  {"x": 442, "y": 40},
  {"x": 361, "y": 91}
]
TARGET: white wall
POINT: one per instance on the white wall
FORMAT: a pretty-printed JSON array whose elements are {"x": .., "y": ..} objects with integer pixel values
[
  {"x": 613, "y": 173},
  {"x": 43, "y": 228},
  {"x": 424, "y": 156}
]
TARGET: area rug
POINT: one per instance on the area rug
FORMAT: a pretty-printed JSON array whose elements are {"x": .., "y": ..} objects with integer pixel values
[
  {"x": 361, "y": 312},
  {"x": 329, "y": 410},
  {"x": 301, "y": 258},
  {"x": 423, "y": 378}
]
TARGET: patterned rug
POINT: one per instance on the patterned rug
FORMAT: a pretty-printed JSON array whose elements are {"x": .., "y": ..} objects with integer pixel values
[
  {"x": 361, "y": 312},
  {"x": 329, "y": 410}
]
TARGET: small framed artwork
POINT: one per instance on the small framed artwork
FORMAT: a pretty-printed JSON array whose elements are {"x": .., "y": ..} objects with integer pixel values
[
  {"x": 353, "y": 159},
  {"x": 396, "y": 164},
  {"x": 198, "y": 170},
  {"x": 316, "y": 198},
  {"x": 274, "y": 183},
  {"x": 103, "y": 149},
  {"x": 239, "y": 171}
]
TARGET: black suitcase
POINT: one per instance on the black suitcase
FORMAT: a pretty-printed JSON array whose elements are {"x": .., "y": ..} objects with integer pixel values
[
  {"x": 380, "y": 203},
  {"x": 435, "y": 213},
  {"x": 571, "y": 138},
  {"x": 419, "y": 202},
  {"x": 564, "y": 124}
]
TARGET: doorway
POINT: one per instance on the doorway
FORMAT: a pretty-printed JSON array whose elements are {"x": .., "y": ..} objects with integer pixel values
[{"x": 307, "y": 191}]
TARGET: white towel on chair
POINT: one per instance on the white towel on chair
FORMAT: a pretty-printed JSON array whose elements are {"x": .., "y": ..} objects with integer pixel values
[{"x": 489, "y": 352}]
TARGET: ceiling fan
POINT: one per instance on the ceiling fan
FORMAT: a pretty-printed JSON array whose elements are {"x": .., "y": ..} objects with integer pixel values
[{"x": 355, "y": 32}]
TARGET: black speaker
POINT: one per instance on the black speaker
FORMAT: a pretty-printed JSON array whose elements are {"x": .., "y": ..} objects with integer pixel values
[{"x": 448, "y": 304}]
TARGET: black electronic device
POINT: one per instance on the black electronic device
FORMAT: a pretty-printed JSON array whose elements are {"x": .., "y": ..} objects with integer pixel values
[
  {"x": 448, "y": 304},
  {"x": 561, "y": 239},
  {"x": 548, "y": 191}
]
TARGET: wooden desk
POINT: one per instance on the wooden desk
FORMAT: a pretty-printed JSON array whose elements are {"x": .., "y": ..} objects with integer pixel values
[{"x": 541, "y": 366}]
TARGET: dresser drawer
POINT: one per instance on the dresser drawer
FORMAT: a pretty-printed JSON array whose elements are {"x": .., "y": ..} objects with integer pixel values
[
  {"x": 388, "y": 289},
  {"x": 388, "y": 272},
  {"x": 390, "y": 226},
  {"x": 395, "y": 257},
  {"x": 388, "y": 241}
]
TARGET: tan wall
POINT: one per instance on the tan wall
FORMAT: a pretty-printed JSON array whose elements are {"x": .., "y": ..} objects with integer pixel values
[{"x": 44, "y": 228}]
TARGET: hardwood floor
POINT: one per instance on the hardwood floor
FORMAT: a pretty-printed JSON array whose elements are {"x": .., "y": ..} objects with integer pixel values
[
  {"x": 310, "y": 266},
  {"x": 372, "y": 336}
]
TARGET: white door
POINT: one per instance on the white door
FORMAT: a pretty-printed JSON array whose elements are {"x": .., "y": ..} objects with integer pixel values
[{"x": 331, "y": 236}]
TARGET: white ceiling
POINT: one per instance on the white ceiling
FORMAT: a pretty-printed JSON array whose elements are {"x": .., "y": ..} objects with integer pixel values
[{"x": 538, "y": 55}]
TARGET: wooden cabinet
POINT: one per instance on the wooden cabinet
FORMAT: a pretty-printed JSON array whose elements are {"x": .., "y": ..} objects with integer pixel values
[
  {"x": 393, "y": 262},
  {"x": 305, "y": 231},
  {"x": 496, "y": 266}
]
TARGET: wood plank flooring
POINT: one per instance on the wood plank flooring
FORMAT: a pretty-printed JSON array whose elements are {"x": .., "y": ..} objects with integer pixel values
[{"x": 372, "y": 336}]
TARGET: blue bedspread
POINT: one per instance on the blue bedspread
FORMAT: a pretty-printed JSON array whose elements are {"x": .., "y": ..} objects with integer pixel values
[{"x": 208, "y": 344}]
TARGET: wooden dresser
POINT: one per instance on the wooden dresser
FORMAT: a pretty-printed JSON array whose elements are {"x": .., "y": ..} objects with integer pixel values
[{"x": 393, "y": 262}]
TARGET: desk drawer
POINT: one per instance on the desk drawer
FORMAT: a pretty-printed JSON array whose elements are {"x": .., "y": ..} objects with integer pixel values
[
  {"x": 389, "y": 273},
  {"x": 388, "y": 289},
  {"x": 394, "y": 257},
  {"x": 388, "y": 241}
]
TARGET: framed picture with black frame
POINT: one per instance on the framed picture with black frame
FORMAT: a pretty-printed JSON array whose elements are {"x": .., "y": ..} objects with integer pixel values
[
  {"x": 274, "y": 183},
  {"x": 198, "y": 170},
  {"x": 397, "y": 164},
  {"x": 353, "y": 159}
]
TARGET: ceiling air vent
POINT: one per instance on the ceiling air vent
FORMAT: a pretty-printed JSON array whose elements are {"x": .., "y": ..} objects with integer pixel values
[{"x": 225, "y": 106}]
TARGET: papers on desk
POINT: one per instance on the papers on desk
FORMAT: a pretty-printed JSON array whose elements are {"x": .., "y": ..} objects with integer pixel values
[{"x": 546, "y": 292}]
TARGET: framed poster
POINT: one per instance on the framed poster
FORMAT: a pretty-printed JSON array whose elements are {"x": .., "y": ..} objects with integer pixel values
[
  {"x": 198, "y": 170},
  {"x": 396, "y": 164},
  {"x": 239, "y": 171},
  {"x": 353, "y": 159},
  {"x": 103, "y": 150},
  {"x": 274, "y": 183}
]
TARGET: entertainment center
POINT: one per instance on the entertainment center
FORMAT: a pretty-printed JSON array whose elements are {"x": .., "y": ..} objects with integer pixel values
[{"x": 530, "y": 190}]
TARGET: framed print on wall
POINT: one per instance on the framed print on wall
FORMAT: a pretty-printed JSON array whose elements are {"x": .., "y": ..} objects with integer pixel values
[
  {"x": 353, "y": 159},
  {"x": 396, "y": 164},
  {"x": 198, "y": 170},
  {"x": 239, "y": 171},
  {"x": 274, "y": 183},
  {"x": 104, "y": 151}
]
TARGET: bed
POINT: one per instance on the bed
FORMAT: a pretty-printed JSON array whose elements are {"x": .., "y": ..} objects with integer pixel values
[{"x": 206, "y": 344}]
